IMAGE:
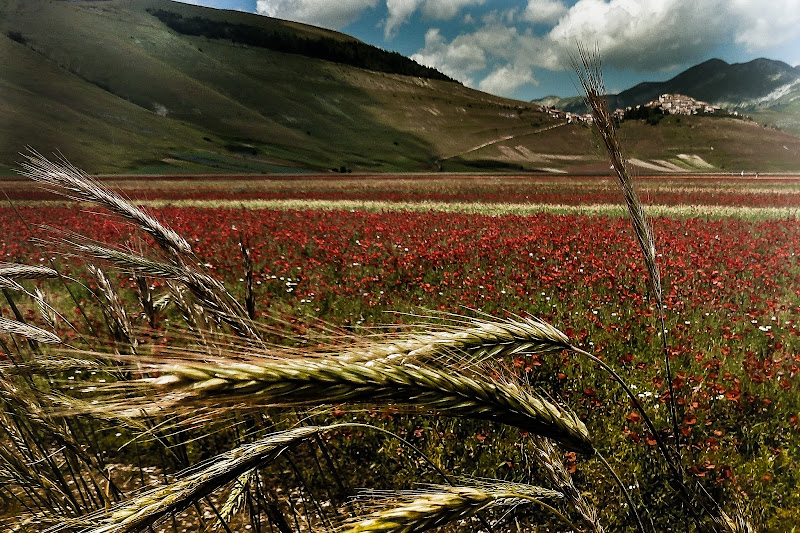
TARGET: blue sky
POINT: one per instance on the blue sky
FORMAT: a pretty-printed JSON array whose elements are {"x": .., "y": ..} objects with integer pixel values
[{"x": 520, "y": 48}]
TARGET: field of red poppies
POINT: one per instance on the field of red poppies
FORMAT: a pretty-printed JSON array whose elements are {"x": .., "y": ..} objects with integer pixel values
[{"x": 732, "y": 294}]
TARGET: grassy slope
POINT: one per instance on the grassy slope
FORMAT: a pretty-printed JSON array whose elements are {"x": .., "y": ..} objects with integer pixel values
[{"x": 93, "y": 76}]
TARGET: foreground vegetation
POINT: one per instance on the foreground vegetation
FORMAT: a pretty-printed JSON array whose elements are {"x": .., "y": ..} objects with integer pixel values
[{"x": 323, "y": 279}]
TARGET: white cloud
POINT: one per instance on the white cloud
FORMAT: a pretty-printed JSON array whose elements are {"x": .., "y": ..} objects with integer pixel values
[
  {"x": 766, "y": 24},
  {"x": 511, "y": 41},
  {"x": 504, "y": 81},
  {"x": 458, "y": 59},
  {"x": 489, "y": 46},
  {"x": 401, "y": 10},
  {"x": 334, "y": 14},
  {"x": 544, "y": 11},
  {"x": 648, "y": 34},
  {"x": 447, "y": 9}
]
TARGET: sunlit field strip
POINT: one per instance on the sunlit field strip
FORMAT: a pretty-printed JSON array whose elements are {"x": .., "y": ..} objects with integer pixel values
[
  {"x": 674, "y": 211},
  {"x": 766, "y": 187},
  {"x": 682, "y": 211}
]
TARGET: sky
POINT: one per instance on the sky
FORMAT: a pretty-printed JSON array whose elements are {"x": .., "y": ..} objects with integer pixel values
[{"x": 521, "y": 48}]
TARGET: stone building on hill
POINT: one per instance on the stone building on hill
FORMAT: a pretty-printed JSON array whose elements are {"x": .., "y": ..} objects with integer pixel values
[{"x": 680, "y": 104}]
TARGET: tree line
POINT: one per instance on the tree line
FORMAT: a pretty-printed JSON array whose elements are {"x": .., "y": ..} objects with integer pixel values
[{"x": 352, "y": 53}]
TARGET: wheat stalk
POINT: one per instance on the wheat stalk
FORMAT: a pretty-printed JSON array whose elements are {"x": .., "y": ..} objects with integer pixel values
[{"x": 328, "y": 380}]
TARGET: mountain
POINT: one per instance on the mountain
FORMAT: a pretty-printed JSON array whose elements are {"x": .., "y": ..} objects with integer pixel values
[
  {"x": 155, "y": 86},
  {"x": 767, "y": 90}
]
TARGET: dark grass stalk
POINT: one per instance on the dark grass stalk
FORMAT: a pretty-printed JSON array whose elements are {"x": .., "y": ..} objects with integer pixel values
[
  {"x": 623, "y": 490},
  {"x": 308, "y": 493},
  {"x": 589, "y": 70},
  {"x": 60, "y": 276},
  {"x": 34, "y": 346},
  {"x": 247, "y": 263}
]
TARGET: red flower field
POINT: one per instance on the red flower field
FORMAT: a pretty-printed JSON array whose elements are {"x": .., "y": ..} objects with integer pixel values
[{"x": 732, "y": 295}]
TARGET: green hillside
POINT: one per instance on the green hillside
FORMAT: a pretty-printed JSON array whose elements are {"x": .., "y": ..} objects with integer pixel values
[{"x": 116, "y": 89}]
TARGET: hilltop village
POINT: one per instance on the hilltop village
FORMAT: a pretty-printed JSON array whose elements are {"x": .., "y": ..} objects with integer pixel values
[{"x": 667, "y": 104}]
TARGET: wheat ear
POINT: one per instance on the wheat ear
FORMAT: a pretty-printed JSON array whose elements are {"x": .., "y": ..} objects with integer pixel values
[
  {"x": 116, "y": 317},
  {"x": 19, "y": 271},
  {"x": 446, "y": 505},
  {"x": 590, "y": 74},
  {"x": 562, "y": 480},
  {"x": 210, "y": 293},
  {"x": 28, "y": 331},
  {"x": 483, "y": 340},
  {"x": 316, "y": 380},
  {"x": 734, "y": 524},
  {"x": 63, "y": 178},
  {"x": 146, "y": 509}
]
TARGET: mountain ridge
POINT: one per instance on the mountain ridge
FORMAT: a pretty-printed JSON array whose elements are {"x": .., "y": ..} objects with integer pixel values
[
  {"x": 765, "y": 89},
  {"x": 118, "y": 91}
]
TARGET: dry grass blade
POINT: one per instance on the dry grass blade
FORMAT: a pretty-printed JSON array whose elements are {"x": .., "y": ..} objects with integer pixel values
[
  {"x": 61, "y": 177},
  {"x": 28, "y": 331},
  {"x": 484, "y": 339},
  {"x": 328, "y": 380},
  {"x": 443, "y": 506},
  {"x": 146, "y": 509}
]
